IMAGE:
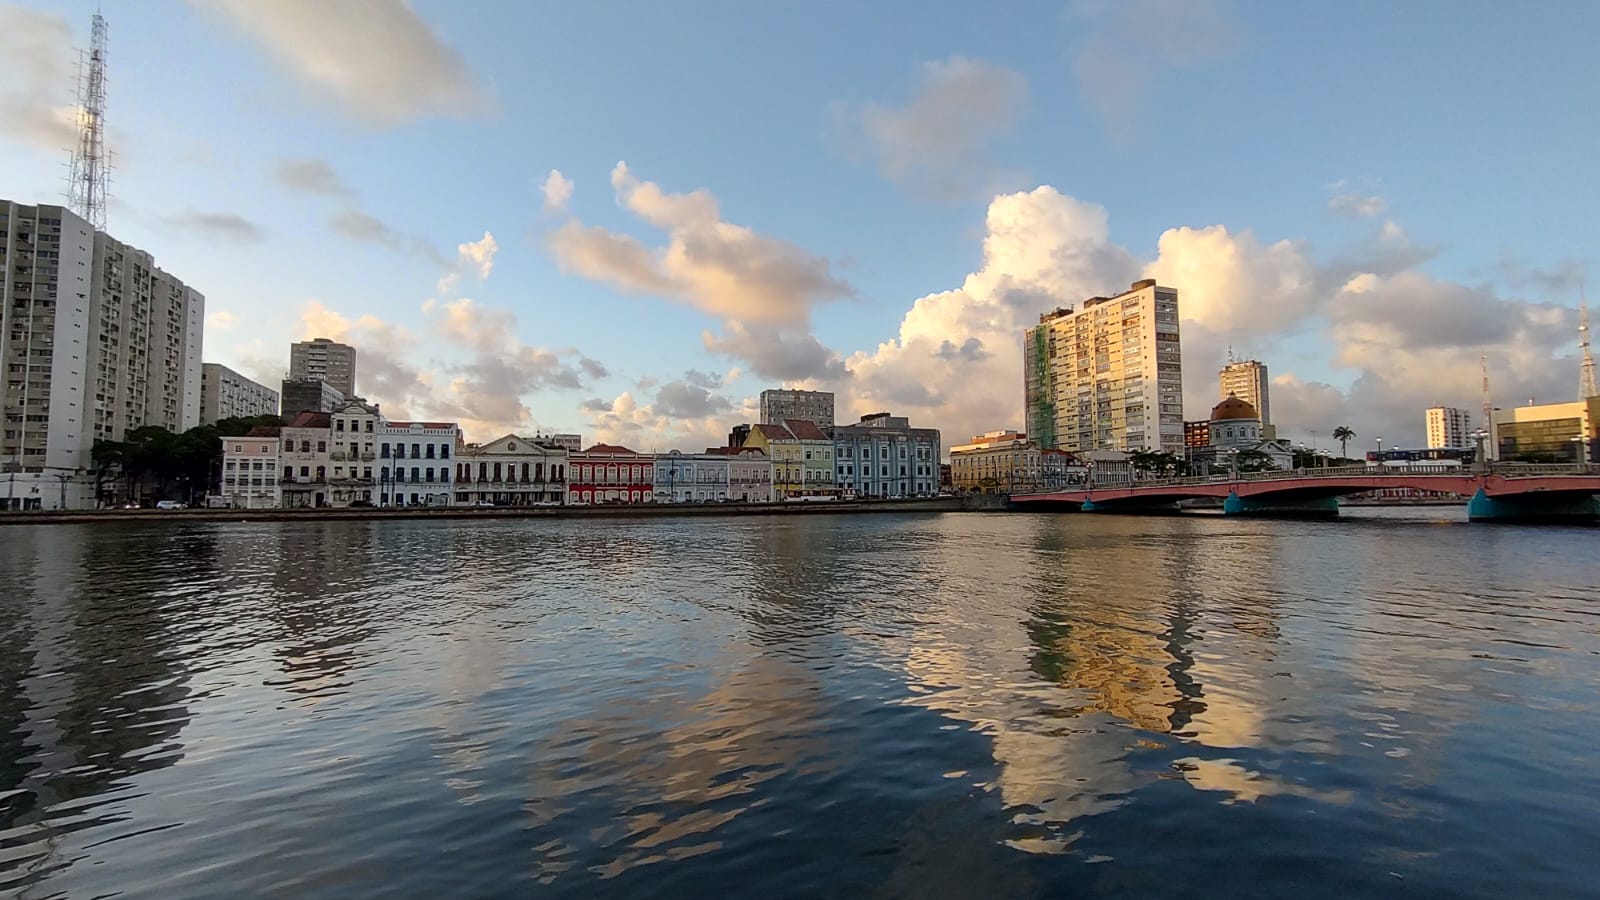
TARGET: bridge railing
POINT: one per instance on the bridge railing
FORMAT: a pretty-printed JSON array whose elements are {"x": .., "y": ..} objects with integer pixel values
[{"x": 1509, "y": 470}]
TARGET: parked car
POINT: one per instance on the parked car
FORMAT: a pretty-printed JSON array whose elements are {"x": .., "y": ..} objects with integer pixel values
[
  {"x": 484, "y": 502},
  {"x": 360, "y": 503},
  {"x": 169, "y": 504}
]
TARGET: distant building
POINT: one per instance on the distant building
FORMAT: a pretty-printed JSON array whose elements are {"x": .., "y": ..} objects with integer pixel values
[
  {"x": 1550, "y": 432},
  {"x": 801, "y": 454},
  {"x": 1449, "y": 427},
  {"x": 738, "y": 435},
  {"x": 250, "y": 470},
  {"x": 883, "y": 456},
  {"x": 691, "y": 477},
  {"x": 571, "y": 443},
  {"x": 1108, "y": 376},
  {"x": 781, "y": 405},
  {"x": 607, "y": 473},
  {"x": 354, "y": 429},
  {"x": 304, "y": 457},
  {"x": 225, "y": 394},
  {"x": 749, "y": 474},
  {"x": 995, "y": 461},
  {"x": 1247, "y": 379},
  {"x": 326, "y": 360},
  {"x": 415, "y": 466},
  {"x": 512, "y": 471},
  {"x": 307, "y": 395},
  {"x": 1235, "y": 429}
]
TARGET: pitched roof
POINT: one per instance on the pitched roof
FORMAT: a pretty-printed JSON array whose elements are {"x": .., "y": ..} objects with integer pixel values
[
  {"x": 310, "y": 419},
  {"x": 423, "y": 424},
  {"x": 806, "y": 430},
  {"x": 736, "y": 451},
  {"x": 611, "y": 448},
  {"x": 774, "y": 432}
]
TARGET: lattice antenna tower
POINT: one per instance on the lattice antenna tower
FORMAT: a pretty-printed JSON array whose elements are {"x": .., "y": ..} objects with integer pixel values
[
  {"x": 1586, "y": 386},
  {"x": 90, "y": 175},
  {"x": 1488, "y": 408}
]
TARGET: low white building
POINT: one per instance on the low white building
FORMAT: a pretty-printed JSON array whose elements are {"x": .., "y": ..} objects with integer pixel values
[
  {"x": 415, "y": 463},
  {"x": 883, "y": 456},
  {"x": 750, "y": 474},
  {"x": 512, "y": 471},
  {"x": 690, "y": 477},
  {"x": 352, "y": 455},
  {"x": 304, "y": 460},
  {"x": 250, "y": 471}
]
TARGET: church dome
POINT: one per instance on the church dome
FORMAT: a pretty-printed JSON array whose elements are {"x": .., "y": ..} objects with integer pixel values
[{"x": 1233, "y": 408}]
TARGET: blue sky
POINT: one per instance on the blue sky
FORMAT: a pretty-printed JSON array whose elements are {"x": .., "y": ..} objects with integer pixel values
[{"x": 1367, "y": 196}]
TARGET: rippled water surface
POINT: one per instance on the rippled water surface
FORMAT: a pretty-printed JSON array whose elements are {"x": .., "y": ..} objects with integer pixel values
[{"x": 833, "y": 706}]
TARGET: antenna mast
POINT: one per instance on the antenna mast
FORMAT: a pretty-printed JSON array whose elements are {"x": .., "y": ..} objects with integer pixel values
[
  {"x": 1586, "y": 386},
  {"x": 87, "y": 184},
  {"x": 1488, "y": 409}
]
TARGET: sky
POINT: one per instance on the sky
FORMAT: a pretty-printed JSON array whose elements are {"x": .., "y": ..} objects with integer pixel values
[{"x": 628, "y": 219}]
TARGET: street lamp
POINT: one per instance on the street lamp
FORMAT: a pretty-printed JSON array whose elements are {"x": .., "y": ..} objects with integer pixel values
[
  {"x": 1233, "y": 463},
  {"x": 1481, "y": 437},
  {"x": 1380, "y": 443}
]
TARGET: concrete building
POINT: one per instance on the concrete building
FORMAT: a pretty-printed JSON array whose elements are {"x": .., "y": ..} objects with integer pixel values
[
  {"x": 1449, "y": 427},
  {"x": 691, "y": 477},
  {"x": 512, "y": 471},
  {"x": 354, "y": 428},
  {"x": 749, "y": 474},
  {"x": 801, "y": 454},
  {"x": 1108, "y": 376},
  {"x": 308, "y": 395},
  {"x": 326, "y": 360},
  {"x": 996, "y": 461},
  {"x": 1235, "y": 429},
  {"x": 609, "y": 473},
  {"x": 781, "y": 405},
  {"x": 303, "y": 458},
  {"x": 46, "y": 259},
  {"x": 571, "y": 443},
  {"x": 225, "y": 394},
  {"x": 96, "y": 342},
  {"x": 250, "y": 471},
  {"x": 883, "y": 456},
  {"x": 415, "y": 463},
  {"x": 1247, "y": 379},
  {"x": 1550, "y": 432}
]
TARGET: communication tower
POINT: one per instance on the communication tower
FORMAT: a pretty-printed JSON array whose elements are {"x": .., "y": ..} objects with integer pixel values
[
  {"x": 86, "y": 188},
  {"x": 1586, "y": 386}
]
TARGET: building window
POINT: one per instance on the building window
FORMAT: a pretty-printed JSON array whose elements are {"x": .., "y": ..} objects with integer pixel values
[
  {"x": 238, "y": 448},
  {"x": 444, "y": 451},
  {"x": 322, "y": 446},
  {"x": 430, "y": 451},
  {"x": 416, "y": 451},
  {"x": 305, "y": 471},
  {"x": 415, "y": 472},
  {"x": 383, "y": 451},
  {"x": 338, "y": 424}
]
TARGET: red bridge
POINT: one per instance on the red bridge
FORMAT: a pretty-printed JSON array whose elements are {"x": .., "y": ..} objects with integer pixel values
[{"x": 1504, "y": 492}]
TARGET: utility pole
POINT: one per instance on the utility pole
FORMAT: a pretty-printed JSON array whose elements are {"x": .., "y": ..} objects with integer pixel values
[{"x": 1586, "y": 385}]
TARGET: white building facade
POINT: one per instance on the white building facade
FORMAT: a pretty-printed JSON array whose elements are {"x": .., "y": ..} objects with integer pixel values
[
  {"x": 250, "y": 472},
  {"x": 512, "y": 471},
  {"x": 749, "y": 474},
  {"x": 225, "y": 394},
  {"x": 1449, "y": 427},
  {"x": 416, "y": 463},
  {"x": 883, "y": 456},
  {"x": 691, "y": 477},
  {"x": 304, "y": 457}
]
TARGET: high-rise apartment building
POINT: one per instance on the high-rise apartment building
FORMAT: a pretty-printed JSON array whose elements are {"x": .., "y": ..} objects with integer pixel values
[
  {"x": 1108, "y": 376},
  {"x": 780, "y": 405},
  {"x": 325, "y": 360},
  {"x": 1246, "y": 379},
  {"x": 225, "y": 394},
  {"x": 1449, "y": 427},
  {"x": 96, "y": 341}
]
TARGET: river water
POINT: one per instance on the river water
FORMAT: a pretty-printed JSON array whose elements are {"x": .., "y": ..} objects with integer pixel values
[{"x": 831, "y": 706}]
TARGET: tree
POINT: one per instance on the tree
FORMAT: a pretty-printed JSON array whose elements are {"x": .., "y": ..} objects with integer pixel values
[
  {"x": 1344, "y": 436},
  {"x": 1156, "y": 462},
  {"x": 1254, "y": 461}
]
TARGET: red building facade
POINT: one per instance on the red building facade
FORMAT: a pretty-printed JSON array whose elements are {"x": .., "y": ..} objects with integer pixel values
[{"x": 609, "y": 473}]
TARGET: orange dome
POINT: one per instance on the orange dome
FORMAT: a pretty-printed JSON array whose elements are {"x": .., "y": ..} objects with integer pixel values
[{"x": 1233, "y": 408}]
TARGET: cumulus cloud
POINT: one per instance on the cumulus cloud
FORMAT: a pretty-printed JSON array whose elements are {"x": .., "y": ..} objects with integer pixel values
[
  {"x": 687, "y": 422},
  {"x": 217, "y": 226},
  {"x": 937, "y": 141},
  {"x": 36, "y": 100},
  {"x": 221, "y": 320},
  {"x": 557, "y": 190},
  {"x": 312, "y": 176},
  {"x": 1127, "y": 45},
  {"x": 707, "y": 263},
  {"x": 376, "y": 59},
  {"x": 1358, "y": 205},
  {"x": 787, "y": 355}
]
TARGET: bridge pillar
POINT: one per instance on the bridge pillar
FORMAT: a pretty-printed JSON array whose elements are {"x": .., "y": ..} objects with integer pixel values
[
  {"x": 1281, "y": 507},
  {"x": 1088, "y": 506},
  {"x": 1533, "y": 507}
]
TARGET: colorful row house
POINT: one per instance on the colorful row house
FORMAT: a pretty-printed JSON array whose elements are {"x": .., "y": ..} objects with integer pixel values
[
  {"x": 512, "y": 471},
  {"x": 801, "y": 454},
  {"x": 607, "y": 473}
]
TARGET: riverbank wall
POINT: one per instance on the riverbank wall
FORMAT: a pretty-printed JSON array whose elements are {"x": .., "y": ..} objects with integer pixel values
[{"x": 640, "y": 511}]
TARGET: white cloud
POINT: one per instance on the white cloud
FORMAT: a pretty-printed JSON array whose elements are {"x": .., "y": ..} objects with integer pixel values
[
  {"x": 221, "y": 320},
  {"x": 377, "y": 59},
  {"x": 1128, "y": 45},
  {"x": 557, "y": 189},
  {"x": 1358, "y": 205},
  {"x": 313, "y": 176},
  {"x": 936, "y": 142},
  {"x": 223, "y": 226},
  {"x": 679, "y": 418},
  {"x": 36, "y": 101}
]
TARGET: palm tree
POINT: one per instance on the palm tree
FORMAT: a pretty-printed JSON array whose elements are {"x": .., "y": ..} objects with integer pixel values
[{"x": 1343, "y": 435}]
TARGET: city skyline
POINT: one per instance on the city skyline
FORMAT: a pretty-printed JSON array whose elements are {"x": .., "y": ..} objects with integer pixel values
[{"x": 649, "y": 302}]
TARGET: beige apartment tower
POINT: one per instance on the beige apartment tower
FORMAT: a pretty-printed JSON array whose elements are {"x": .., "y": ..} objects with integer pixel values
[
  {"x": 325, "y": 360},
  {"x": 1247, "y": 379},
  {"x": 1449, "y": 427},
  {"x": 1108, "y": 376}
]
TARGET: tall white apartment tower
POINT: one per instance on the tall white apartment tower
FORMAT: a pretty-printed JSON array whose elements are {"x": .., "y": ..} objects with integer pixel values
[
  {"x": 1449, "y": 427},
  {"x": 324, "y": 360},
  {"x": 1108, "y": 376},
  {"x": 46, "y": 262},
  {"x": 1246, "y": 379},
  {"x": 778, "y": 405}
]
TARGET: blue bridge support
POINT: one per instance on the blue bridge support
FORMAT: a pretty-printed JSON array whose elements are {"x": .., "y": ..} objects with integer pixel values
[
  {"x": 1281, "y": 507},
  {"x": 1534, "y": 507}
]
